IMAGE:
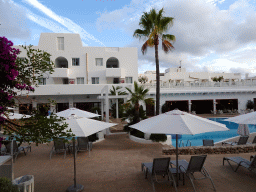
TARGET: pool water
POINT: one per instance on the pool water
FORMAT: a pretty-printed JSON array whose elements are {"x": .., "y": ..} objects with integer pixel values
[{"x": 218, "y": 136}]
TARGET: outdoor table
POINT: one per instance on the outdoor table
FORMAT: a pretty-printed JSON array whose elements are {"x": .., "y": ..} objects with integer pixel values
[{"x": 6, "y": 170}]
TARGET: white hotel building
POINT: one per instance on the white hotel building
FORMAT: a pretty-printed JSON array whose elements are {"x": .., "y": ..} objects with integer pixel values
[{"x": 83, "y": 74}]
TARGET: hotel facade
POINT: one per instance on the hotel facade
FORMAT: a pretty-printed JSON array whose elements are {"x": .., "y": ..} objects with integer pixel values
[{"x": 84, "y": 75}]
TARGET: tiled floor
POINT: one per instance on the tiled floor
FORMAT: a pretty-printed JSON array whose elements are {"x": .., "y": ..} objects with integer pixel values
[{"x": 115, "y": 165}]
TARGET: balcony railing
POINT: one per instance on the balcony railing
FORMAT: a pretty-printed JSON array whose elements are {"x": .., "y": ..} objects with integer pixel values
[
  {"x": 60, "y": 72},
  {"x": 115, "y": 72},
  {"x": 203, "y": 84}
]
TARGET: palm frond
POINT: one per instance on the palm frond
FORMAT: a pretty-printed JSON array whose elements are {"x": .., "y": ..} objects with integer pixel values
[
  {"x": 150, "y": 43},
  {"x": 168, "y": 37},
  {"x": 165, "y": 23},
  {"x": 128, "y": 89},
  {"x": 138, "y": 33},
  {"x": 167, "y": 46}
]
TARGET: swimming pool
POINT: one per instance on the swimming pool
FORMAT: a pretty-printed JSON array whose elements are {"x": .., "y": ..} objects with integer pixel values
[{"x": 197, "y": 140}]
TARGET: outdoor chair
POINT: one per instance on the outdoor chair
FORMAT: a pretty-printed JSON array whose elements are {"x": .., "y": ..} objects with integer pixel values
[
  {"x": 83, "y": 144},
  {"x": 16, "y": 149},
  {"x": 250, "y": 165},
  {"x": 253, "y": 141},
  {"x": 159, "y": 167},
  {"x": 196, "y": 164},
  {"x": 242, "y": 141},
  {"x": 252, "y": 156},
  {"x": 208, "y": 142},
  {"x": 59, "y": 147}
]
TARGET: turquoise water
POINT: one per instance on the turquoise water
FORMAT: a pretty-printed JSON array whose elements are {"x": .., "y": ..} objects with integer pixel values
[{"x": 197, "y": 140}]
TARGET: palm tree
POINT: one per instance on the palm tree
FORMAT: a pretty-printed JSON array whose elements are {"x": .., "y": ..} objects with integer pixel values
[
  {"x": 153, "y": 25},
  {"x": 139, "y": 94}
]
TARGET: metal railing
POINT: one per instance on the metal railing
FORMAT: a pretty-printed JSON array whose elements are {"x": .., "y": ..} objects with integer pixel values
[
  {"x": 202, "y": 84},
  {"x": 181, "y": 143}
]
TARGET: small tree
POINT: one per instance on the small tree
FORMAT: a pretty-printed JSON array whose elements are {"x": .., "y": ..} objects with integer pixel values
[
  {"x": 143, "y": 79},
  {"x": 249, "y": 104},
  {"x": 18, "y": 74},
  {"x": 218, "y": 79},
  {"x": 139, "y": 94}
]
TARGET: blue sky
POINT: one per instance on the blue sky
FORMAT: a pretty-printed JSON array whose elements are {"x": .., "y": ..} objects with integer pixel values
[{"x": 211, "y": 35}]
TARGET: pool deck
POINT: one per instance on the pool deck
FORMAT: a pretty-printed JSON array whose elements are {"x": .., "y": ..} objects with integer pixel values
[{"x": 114, "y": 165}]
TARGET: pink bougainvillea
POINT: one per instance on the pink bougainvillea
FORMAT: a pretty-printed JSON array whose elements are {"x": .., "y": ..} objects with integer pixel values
[{"x": 8, "y": 75}]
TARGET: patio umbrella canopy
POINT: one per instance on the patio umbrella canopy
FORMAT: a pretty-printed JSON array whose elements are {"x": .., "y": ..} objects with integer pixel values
[
  {"x": 68, "y": 112},
  {"x": 179, "y": 123},
  {"x": 16, "y": 115},
  {"x": 249, "y": 118},
  {"x": 83, "y": 127}
]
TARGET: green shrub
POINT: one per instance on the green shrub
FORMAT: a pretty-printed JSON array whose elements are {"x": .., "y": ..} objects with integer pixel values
[
  {"x": 7, "y": 186},
  {"x": 127, "y": 128},
  {"x": 93, "y": 137},
  {"x": 165, "y": 108},
  {"x": 158, "y": 137},
  {"x": 137, "y": 133},
  {"x": 249, "y": 104}
]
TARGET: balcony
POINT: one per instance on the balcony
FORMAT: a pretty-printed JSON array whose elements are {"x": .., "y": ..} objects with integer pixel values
[
  {"x": 115, "y": 72},
  {"x": 69, "y": 89},
  {"x": 60, "y": 72}
]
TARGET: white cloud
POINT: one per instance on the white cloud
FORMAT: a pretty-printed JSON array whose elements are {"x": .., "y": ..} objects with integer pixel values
[
  {"x": 70, "y": 25},
  {"x": 53, "y": 26},
  {"x": 13, "y": 24},
  {"x": 200, "y": 27}
]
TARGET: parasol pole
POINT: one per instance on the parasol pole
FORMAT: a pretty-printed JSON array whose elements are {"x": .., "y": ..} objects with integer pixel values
[
  {"x": 177, "y": 155},
  {"x": 75, "y": 187},
  {"x": 74, "y": 148}
]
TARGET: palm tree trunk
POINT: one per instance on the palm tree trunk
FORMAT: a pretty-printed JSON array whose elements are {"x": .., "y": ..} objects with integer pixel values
[
  {"x": 157, "y": 76},
  {"x": 137, "y": 112}
]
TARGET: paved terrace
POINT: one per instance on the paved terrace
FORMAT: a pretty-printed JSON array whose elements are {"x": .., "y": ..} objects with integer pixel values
[{"x": 114, "y": 165}]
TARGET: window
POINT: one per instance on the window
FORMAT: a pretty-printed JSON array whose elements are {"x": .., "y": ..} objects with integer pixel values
[
  {"x": 95, "y": 80},
  {"x": 99, "y": 61},
  {"x": 128, "y": 79},
  {"x": 80, "y": 80},
  {"x": 60, "y": 43},
  {"x": 41, "y": 81},
  {"x": 75, "y": 61}
]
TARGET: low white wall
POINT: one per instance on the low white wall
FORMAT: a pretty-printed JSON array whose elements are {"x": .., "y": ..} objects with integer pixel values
[{"x": 140, "y": 140}]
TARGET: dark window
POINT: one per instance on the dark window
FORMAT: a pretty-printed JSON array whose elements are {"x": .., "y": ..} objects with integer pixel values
[{"x": 75, "y": 61}]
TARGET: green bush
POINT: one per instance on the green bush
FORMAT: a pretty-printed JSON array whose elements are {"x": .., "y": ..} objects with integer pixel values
[
  {"x": 158, "y": 137},
  {"x": 93, "y": 137},
  {"x": 7, "y": 186},
  {"x": 249, "y": 104},
  {"x": 127, "y": 128},
  {"x": 165, "y": 108},
  {"x": 137, "y": 133}
]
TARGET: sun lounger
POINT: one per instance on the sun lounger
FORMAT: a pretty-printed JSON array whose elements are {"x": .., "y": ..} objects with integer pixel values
[
  {"x": 242, "y": 141},
  {"x": 16, "y": 149},
  {"x": 208, "y": 142},
  {"x": 253, "y": 141},
  {"x": 196, "y": 164},
  {"x": 159, "y": 167},
  {"x": 250, "y": 165}
]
